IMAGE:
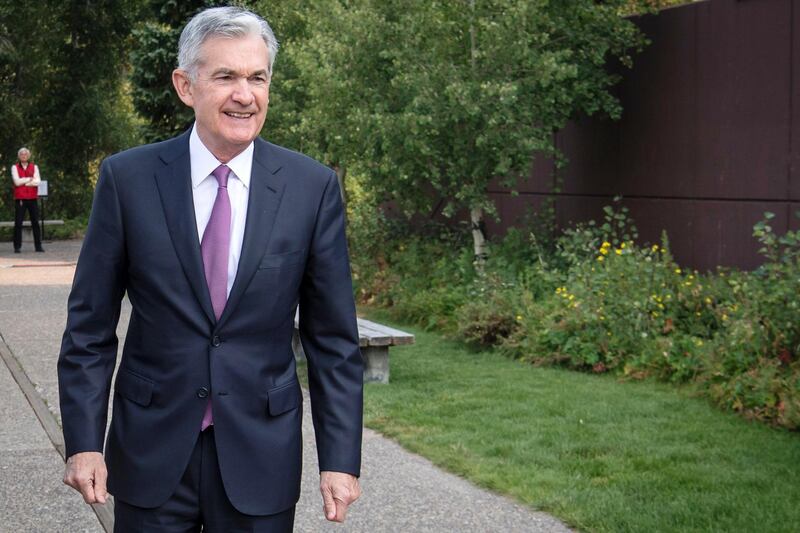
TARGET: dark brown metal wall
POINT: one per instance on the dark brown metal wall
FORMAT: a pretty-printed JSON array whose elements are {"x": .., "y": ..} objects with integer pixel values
[{"x": 708, "y": 141}]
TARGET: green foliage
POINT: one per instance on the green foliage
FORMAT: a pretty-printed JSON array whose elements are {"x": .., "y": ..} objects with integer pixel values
[
  {"x": 601, "y": 303},
  {"x": 484, "y": 318},
  {"x": 291, "y": 116},
  {"x": 63, "y": 93},
  {"x": 154, "y": 55},
  {"x": 423, "y": 99},
  {"x": 441, "y": 97}
]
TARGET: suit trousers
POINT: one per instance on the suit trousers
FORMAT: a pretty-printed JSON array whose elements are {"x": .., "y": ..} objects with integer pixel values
[
  {"x": 32, "y": 206},
  {"x": 198, "y": 504}
]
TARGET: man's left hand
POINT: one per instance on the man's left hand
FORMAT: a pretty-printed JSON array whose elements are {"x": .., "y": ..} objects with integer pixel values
[{"x": 338, "y": 490}]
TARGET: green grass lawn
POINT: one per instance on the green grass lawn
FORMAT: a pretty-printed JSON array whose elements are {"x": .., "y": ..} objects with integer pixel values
[{"x": 600, "y": 454}]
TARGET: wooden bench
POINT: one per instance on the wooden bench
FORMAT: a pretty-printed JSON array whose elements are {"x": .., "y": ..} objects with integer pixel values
[
  {"x": 375, "y": 340},
  {"x": 27, "y": 230}
]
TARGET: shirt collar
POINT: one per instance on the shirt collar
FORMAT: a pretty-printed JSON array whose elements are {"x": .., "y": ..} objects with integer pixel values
[{"x": 203, "y": 162}]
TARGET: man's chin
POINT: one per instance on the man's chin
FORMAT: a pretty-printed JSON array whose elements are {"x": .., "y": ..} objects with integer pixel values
[
  {"x": 242, "y": 135},
  {"x": 241, "y": 140}
]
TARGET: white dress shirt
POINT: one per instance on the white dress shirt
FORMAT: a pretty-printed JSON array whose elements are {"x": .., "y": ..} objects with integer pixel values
[
  {"x": 30, "y": 182},
  {"x": 204, "y": 192}
]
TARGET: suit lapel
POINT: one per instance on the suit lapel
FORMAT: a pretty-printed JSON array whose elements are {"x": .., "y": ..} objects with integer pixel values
[
  {"x": 266, "y": 192},
  {"x": 175, "y": 188}
]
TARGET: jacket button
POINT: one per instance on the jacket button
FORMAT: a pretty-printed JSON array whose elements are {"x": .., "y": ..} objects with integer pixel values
[
  {"x": 215, "y": 342},
  {"x": 202, "y": 392}
]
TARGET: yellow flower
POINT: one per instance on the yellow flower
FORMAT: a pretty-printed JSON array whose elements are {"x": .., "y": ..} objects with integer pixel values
[
  {"x": 654, "y": 248},
  {"x": 571, "y": 297},
  {"x": 519, "y": 318},
  {"x": 708, "y": 300},
  {"x": 618, "y": 251},
  {"x": 605, "y": 244},
  {"x": 622, "y": 245},
  {"x": 600, "y": 258},
  {"x": 677, "y": 270}
]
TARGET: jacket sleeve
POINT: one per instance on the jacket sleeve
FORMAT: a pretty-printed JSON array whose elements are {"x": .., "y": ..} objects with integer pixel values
[
  {"x": 18, "y": 182},
  {"x": 329, "y": 333},
  {"x": 36, "y": 177},
  {"x": 89, "y": 345}
]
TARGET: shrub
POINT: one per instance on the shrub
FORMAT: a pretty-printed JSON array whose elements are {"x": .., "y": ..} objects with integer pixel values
[{"x": 597, "y": 301}]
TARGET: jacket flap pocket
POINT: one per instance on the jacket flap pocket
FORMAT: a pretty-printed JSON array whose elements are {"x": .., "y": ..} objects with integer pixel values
[
  {"x": 285, "y": 398},
  {"x": 283, "y": 260},
  {"x": 134, "y": 387}
]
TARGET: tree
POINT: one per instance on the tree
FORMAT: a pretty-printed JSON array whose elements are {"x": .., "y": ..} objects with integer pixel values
[
  {"x": 80, "y": 108},
  {"x": 17, "y": 85},
  {"x": 154, "y": 55},
  {"x": 294, "y": 120},
  {"x": 445, "y": 96}
]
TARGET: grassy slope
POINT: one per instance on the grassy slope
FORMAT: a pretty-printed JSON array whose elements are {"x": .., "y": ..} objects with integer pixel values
[{"x": 600, "y": 454}]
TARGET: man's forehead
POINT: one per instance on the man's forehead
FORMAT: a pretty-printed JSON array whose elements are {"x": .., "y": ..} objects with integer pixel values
[{"x": 228, "y": 51}]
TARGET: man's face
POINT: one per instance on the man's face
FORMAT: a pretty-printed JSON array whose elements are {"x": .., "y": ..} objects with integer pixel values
[
  {"x": 230, "y": 93},
  {"x": 24, "y": 156}
]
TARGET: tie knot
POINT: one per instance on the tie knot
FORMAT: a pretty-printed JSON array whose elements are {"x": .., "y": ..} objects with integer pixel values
[{"x": 221, "y": 173}]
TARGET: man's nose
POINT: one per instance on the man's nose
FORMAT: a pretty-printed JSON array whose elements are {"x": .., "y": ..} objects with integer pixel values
[{"x": 242, "y": 92}]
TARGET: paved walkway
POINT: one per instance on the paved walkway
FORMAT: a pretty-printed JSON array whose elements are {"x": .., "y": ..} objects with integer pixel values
[{"x": 402, "y": 491}]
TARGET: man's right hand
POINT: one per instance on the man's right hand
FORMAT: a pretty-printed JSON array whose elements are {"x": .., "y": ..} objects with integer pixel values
[{"x": 86, "y": 472}]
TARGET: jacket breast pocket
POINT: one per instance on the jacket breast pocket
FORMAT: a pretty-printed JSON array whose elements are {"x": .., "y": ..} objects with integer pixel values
[
  {"x": 284, "y": 398},
  {"x": 134, "y": 387},
  {"x": 284, "y": 260}
]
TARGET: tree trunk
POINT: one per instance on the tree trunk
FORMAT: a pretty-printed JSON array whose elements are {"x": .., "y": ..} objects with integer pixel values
[
  {"x": 476, "y": 213},
  {"x": 480, "y": 244}
]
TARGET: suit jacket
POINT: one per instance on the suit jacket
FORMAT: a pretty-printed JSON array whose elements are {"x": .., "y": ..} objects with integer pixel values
[{"x": 142, "y": 239}]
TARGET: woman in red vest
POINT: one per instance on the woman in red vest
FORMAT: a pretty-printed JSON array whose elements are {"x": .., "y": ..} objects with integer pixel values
[{"x": 26, "y": 191}]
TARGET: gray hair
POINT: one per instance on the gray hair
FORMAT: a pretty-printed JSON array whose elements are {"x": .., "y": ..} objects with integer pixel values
[
  {"x": 231, "y": 22},
  {"x": 23, "y": 149}
]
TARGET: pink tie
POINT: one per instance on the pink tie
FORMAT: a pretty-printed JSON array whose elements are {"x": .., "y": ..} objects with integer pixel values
[{"x": 215, "y": 249}]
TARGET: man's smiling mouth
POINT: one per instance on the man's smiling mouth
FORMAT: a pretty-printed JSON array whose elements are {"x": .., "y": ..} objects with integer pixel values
[{"x": 238, "y": 115}]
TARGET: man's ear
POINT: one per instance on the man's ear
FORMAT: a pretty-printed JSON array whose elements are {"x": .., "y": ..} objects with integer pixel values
[{"x": 183, "y": 86}]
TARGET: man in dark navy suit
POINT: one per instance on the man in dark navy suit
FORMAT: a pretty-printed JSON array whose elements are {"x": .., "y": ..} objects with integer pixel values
[{"x": 216, "y": 236}]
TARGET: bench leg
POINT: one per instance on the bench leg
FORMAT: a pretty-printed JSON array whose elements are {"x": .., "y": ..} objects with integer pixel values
[
  {"x": 376, "y": 364},
  {"x": 376, "y": 360}
]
